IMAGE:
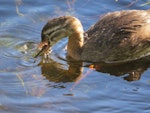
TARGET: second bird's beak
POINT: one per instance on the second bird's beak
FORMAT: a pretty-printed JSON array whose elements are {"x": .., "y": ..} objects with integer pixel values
[{"x": 43, "y": 48}]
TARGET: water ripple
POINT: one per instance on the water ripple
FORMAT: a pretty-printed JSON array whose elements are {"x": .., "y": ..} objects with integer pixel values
[{"x": 17, "y": 47}]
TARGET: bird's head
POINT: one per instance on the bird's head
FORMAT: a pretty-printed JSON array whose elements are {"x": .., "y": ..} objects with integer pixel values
[{"x": 58, "y": 28}]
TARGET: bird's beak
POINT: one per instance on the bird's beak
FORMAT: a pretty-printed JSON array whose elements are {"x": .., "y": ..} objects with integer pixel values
[{"x": 43, "y": 48}]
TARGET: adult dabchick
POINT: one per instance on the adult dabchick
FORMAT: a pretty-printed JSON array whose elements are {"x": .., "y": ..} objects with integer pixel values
[{"x": 117, "y": 37}]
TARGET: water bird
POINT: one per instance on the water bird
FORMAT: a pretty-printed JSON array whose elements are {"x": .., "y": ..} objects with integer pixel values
[{"x": 118, "y": 36}]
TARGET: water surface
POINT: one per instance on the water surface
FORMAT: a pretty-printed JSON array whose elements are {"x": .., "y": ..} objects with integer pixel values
[{"x": 53, "y": 85}]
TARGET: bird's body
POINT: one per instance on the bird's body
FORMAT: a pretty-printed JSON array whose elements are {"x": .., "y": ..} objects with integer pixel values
[{"x": 117, "y": 37}]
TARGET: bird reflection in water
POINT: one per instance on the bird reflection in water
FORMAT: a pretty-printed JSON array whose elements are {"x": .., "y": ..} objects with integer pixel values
[
  {"x": 131, "y": 71},
  {"x": 56, "y": 72}
]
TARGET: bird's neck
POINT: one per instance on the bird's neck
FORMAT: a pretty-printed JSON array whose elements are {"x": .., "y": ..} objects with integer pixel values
[{"x": 75, "y": 44}]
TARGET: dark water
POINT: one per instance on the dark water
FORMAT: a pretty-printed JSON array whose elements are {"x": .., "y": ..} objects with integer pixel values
[{"x": 53, "y": 85}]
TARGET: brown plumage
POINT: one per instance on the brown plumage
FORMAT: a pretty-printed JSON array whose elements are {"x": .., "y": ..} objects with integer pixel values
[{"x": 117, "y": 37}]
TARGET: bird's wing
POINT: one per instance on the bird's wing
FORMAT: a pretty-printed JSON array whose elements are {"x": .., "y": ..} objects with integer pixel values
[{"x": 117, "y": 33}]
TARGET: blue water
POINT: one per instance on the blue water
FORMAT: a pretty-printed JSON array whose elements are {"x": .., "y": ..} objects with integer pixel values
[{"x": 53, "y": 85}]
